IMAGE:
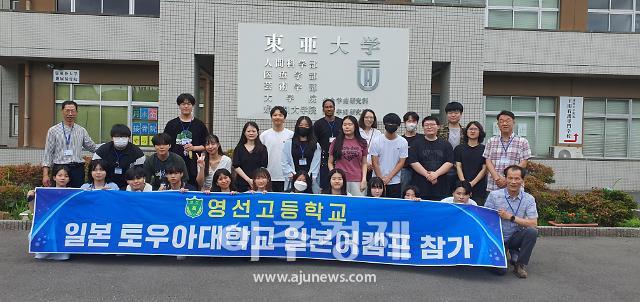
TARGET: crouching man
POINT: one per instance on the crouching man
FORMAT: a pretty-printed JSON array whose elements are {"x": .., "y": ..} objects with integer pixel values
[{"x": 519, "y": 218}]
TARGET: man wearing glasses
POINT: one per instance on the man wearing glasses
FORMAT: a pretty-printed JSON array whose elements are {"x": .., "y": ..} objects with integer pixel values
[
  {"x": 64, "y": 145},
  {"x": 431, "y": 158}
]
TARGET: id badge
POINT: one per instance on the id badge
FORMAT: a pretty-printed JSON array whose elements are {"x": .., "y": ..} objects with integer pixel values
[
  {"x": 68, "y": 152},
  {"x": 504, "y": 161},
  {"x": 331, "y": 139},
  {"x": 302, "y": 162},
  {"x": 117, "y": 171}
]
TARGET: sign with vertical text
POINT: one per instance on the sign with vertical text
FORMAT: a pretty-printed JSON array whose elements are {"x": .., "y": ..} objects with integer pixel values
[
  {"x": 298, "y": 66},
  {"x": 570, "y": 120}
]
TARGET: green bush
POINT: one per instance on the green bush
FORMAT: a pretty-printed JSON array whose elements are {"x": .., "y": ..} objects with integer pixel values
[
  {"x": 630, "y": 223},
  {"x": 13, "y": 199},
  {"x": 605, "y": 206},
  {"x": 27, "y": 174}
]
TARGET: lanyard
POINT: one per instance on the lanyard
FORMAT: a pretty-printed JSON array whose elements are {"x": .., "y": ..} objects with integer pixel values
[
  {"x": 507, "y": 200},
  {"x": 332, "y": 125},
  {"x": 118, "y": 155},
  {"x": 508, "y": 144},
  {"x": 301, "y": 150},
  {"x": 370, "y": 137},
  {"x": 182, "y": 124},
  {"x": 66, "y": 137}
]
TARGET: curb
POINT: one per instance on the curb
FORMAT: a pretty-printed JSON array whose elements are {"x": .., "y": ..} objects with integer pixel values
[
  {"x": 550, "y": 231},
  {"x": 15, "y": 225}
]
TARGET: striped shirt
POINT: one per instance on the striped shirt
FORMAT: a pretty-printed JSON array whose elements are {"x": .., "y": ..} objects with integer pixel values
[
  {"x": 56, "y": 144},
  {"x": 503, "y": 154}
]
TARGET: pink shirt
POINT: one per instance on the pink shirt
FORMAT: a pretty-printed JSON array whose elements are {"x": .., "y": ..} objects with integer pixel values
[{"x": 351, "y": 160}]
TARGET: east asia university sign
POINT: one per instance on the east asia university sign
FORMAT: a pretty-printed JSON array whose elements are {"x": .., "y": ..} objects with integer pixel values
[{"x": 298, "y": 66}]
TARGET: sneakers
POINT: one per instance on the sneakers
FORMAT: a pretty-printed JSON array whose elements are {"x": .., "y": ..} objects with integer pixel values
[{"x": 520, "y": 271}]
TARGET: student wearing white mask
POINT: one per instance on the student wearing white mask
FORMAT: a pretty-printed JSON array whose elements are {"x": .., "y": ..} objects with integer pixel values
[
  {"x": 120, "y": 154},
  {"x": 301, "y": 183}
]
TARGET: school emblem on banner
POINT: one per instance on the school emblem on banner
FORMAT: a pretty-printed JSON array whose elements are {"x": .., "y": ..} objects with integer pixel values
[
  {"x": 193, "y": 208},
  {"x": 368, "y": 74}
]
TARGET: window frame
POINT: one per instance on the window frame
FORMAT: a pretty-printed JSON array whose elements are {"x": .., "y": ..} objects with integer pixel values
[
  {"x": 132, "y": 8},
  {"x": 14, "y": 109},
  {"x": 613, "y": 116},
  {"x": 634, "y": 12},
  {"x": 539, "y": 10},
  {"x": 536, "y": 115},
  {"x": 129, "y": 104}
]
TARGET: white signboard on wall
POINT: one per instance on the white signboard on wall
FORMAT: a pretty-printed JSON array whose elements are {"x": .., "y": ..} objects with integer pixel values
[
  {"x": 570, "y": 120},
  {"x": 298, "y": 66},
  {"x": 66, "y": 76}
]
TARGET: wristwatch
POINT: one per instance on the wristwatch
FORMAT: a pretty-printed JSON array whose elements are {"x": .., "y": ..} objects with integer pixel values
[{"x": 513, "y": 218}]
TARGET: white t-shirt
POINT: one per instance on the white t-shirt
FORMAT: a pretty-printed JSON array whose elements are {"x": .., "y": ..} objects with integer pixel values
[
  {"x": 389, "y": 152},
  {"x": 450, "y": 200},
  {"x": 147, "y": 188},
  {"x": 274, "y": 141},
  {"x": 225, "y": 163}
]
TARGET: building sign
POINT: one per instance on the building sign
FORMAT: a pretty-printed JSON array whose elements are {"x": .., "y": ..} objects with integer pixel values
[
  {"x": 570, "y": 120},
  {"x": 144, "y": 125},
  {"x": 66, "y": 76},
  {"x": 298, "y": 66}
]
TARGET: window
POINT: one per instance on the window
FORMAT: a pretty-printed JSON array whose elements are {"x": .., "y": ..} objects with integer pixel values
[
  {"x": 531, "y": 14},
  {"x": 535, "y": 119},
  {"x": 611, "y": 128},
  {"x": 15, "y": 119},
  {"x": 463, "y": 2},
  {"x": 111, "y": 7},
  {"x": 614, "y": 16},
  {"x": 102, "y": 106},
  {"x": 435, "y": 105},
  {"x": 147, "y": 7}
]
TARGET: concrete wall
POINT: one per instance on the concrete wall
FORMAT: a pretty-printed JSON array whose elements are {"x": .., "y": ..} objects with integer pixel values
[
  {"x": 580, "y": 174},
  {"x": 561, "y": 52},
  {"x": 438, "y": 33},
  {"x": 44, "y": 35}
]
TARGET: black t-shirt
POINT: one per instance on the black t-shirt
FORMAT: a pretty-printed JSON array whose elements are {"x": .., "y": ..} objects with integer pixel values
[
  {"x": 324, "y": 130},
  {"x": 431, "y": 155},
  {"x": 124, "y": 159},
  {"x": 198, "y": 133},
  {"x": 472, "y": 162},
  {"x": 249, "y": 162},
  {"x": 297, "y": 153},
  {"x": 409, "y": 141}
]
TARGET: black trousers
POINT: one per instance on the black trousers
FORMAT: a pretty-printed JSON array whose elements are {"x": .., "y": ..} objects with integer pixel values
[
  {"x": 522, "y": 243},
  {"x": 277, "y": 186},
  {"x": 393, "y": 191}
]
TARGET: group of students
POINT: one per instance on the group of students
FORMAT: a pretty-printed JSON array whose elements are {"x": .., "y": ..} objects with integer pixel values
[
  {"x": 339, "y": 156},
  {"x": 333, "y": 155}
]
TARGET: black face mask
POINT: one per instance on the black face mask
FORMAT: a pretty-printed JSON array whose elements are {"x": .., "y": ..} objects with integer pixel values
[
  {"x": 304, "y": 131},
  {"x": 391, "y": 128}
]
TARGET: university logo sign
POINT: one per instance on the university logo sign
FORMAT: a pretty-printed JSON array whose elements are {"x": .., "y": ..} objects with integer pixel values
[
  {"x": 368, "y": 74},
  {"x": 193, "y": 208}
]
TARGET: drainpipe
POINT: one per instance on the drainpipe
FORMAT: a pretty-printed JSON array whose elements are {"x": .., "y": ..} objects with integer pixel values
[{"x": 26, "y": 118}]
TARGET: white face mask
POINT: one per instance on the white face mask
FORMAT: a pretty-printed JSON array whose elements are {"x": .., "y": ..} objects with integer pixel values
[
  {"x": 300, "y": 185},
  {"x": 411, "y": 127},
  {"x": 120, "y": 142}
]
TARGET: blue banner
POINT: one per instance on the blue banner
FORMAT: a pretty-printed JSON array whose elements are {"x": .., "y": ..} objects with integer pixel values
[{"x": 376, "y": 230}]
